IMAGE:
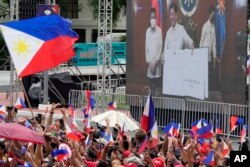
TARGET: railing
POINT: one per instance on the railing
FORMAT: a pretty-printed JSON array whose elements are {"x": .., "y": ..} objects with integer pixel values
[{"x": 167, "y": 109}]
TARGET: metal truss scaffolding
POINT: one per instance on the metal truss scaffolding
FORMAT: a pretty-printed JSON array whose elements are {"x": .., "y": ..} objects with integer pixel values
[{"x": 104, "y": 48}]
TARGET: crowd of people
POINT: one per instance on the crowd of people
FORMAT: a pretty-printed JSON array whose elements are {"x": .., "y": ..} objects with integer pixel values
[{"x": 103, "y": 146}]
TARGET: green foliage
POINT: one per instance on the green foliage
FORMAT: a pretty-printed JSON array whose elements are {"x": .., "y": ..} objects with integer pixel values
[
  {"x": 4, "y": 9},
  {"x": 118, "y": 6}
]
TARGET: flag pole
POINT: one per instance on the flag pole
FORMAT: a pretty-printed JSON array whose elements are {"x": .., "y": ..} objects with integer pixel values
[{"x": 28, "y": 101}]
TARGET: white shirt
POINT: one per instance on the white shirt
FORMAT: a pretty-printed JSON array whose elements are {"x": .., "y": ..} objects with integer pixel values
[
  {"x": 153, "y": 50},
  {"x": 177, "y": 38},
  {"x": 208, "y": 39}
]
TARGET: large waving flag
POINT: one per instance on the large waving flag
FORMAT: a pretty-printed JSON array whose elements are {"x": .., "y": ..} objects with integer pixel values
[
  {"x": 210, "y": 159},
  {"x": 2, "y": 109},
  {"x": 148, "y": 117},
  {"x": 235, "y": 121},
  {"x": 20, "y": 103},
  {"x": 39, "y": 43},
  {"x": 158, "y": 5},
  {"x": 220, "y": 27},
  {"x": 243, "y": 133}
]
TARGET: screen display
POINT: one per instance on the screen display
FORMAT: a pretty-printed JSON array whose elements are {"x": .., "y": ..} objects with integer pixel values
[{"x": 187, "y": 49}]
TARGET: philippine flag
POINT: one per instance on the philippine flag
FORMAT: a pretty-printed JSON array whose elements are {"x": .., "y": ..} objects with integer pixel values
[
  {"x": 210, "y": 159},
  {"x": 70, "y": 134},
  {"x": 2, "y": 109},
  {"x": 169, "y": 129},
  {"x": 205, "y": 132},
  {"x": 225, "y": 151},
  {"x": 143, "y": 146},
  {"x": 195, "y": 126},
  {"x": 90, "y": 102},
  {"x": 122, "y": 133},
  {"x": 203, "y": 143},
  {"x": 72, "y": 113},
  {"x": 60, "y": 154},
  {"x": 235, "y": 121},
  {"x": 112, "y": 105},
  {"x": 148, "y": 117},
  {"x": 20, "y": 103},
  {"x": 88, "y": 127},
  {"x": 39, "y": 43},
  {"x": 243, "y": 133},
  {"x": 218, "y": 129},
  {"x": 154, "y": 134}
]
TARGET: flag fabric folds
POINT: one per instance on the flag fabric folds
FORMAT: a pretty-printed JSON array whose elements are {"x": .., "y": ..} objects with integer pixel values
[
  {"x": 218, "y": 129},
  {"x": 144, "y": 144},
  {"x": 2, "y": 109},
  {"x": 70, "y": 134},
  {"x": 154, "y": 135},
  {"x": 205, "y": 132},
  {"x": 158, "y": 5},
  {"x": 225, "y": 150},
  {"x": 20, "y": 103},
  {"x": 40, "y": 43},
  {"x": 90, "y": 103},
  {"x": 210, "y": 159},
  {"x": 235, "y": 121},
  {"x": 148, "y": 117},
  {"x": 220, "y": 27},
  {"x": 59, "y": 154},
  {"x": 112, "y": 105},
  {"x": 72, "y": 113},
  {"x": 243, "y": 133}
]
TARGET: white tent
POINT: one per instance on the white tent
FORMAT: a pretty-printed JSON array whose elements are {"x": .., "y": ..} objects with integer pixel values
[{"x": 116, "y": 117}]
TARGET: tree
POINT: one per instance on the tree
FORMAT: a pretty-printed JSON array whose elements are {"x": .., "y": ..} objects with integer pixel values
[
  {"x": 118, "y": 6},
  {"x": 4, "y": 9}
]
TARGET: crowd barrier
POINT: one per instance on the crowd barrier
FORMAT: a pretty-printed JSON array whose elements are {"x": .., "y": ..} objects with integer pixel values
[{"x": 184, "y": 111}]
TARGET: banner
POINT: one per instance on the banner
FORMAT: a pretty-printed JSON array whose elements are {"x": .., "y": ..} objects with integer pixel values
[{"x": 185, "y": 73}]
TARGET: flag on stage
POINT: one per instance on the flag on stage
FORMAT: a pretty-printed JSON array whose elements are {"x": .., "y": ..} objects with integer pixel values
[
  {"x": 158, "y": 5},
  {"x": 40, "y": 43},
  {"x": 148, "y": 117},
  {"x": 220, "y": 27}
]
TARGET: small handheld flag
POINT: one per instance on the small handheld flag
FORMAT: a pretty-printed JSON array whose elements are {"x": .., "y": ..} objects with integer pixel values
[
  {"x": 112, "y": 105},
  {"x": 20, "y": 103}
]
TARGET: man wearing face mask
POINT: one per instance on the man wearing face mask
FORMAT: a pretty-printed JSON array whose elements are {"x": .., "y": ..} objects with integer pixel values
[
  {"x": 208, "y": 39},
  {"x": 153, "y": 51}
]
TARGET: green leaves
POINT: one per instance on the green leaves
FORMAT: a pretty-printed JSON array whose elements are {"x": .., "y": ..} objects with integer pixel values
[{"x": 118, "y": 6}]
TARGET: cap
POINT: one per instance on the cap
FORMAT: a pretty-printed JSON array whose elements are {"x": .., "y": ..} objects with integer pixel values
[
  {"x": 158, "y": 162},
  {"x": 126, "y": 153}
]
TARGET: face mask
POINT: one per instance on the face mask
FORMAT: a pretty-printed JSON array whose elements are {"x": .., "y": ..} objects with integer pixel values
[{"x": 152, "y": 23}]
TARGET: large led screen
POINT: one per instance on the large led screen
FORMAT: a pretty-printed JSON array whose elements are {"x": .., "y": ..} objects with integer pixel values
[{"x": 187, "y": 49}]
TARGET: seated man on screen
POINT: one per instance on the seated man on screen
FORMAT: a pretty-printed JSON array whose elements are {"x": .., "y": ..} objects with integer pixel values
[{"x": 153, "y": 51}]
